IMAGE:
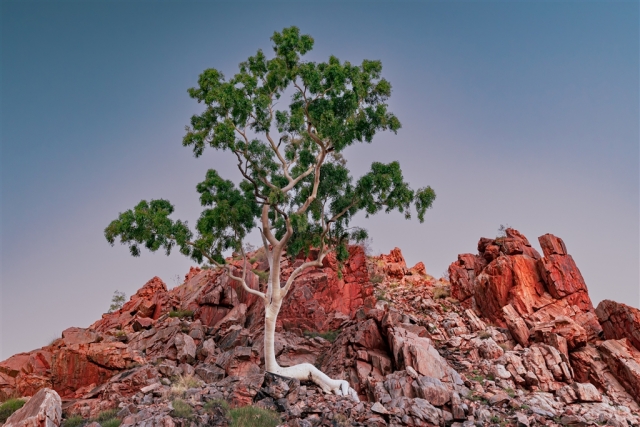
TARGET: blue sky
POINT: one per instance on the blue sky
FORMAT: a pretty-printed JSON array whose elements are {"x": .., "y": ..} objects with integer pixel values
[{"x": 520, "y": 113}]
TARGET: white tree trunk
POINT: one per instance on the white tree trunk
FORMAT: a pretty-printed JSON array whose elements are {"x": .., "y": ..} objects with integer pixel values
[{"x": 303, "y": 371}]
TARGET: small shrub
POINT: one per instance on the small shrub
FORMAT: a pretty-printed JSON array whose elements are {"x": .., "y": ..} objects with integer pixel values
[
  {"x": 263, "y": 276},
  {"x": 217, "y": 409},
  {"x": 251, "y": 416},
  {"x": 502, "y": 230},
  {"x": 216, "y": 405},
  {"x": 440, "y": 292},
  {"x": 106, "y": 415},
  {"x": 495, "y": 419},
  {"x": 377, "y": 278},
  {"x": 484, "y": 335},
  {"x": 329, "y": 335},
  {"x": 382, "y": 296},
  {"x": 9, "y": 407},
  {"x": 252, "y": 260},
  {"x": 181, "y": 313},
  {"x": 181, "y": 383},
  {"x": 111, "y": 422},
  {"x": 340, "y": 420},
  {"x": 491, "y": 377},
  {"x": 181, "y": 409},
  {"x": 393, "y": 285},
  {"x": 511, "y": 392},
  {"x": 74, "y": 421},
  {"x": 117, "y": 301}
]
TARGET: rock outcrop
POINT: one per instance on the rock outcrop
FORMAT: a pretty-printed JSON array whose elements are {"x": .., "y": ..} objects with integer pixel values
[
  {"x": 512, "y": 339},
  {"x": 44, "y": 409},
  {"x": 619, "y": 321}
]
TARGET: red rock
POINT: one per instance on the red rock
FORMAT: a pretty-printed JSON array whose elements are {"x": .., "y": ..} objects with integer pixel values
[
  {"x": 516, "y": 325},
  {"x": 152, "y": 300},
  {"x": 624, "y": 362},
  {"x": 419, "y": 268},
  {"x": 515, "y": 234},
  {"x": 320, "y": 300},
  {"x": 44, "y": 409},
  {"x": 73, "y": 336},
  {"x": 589, "y": 366},
  {"x": 561, "y": 275},
  {"x": 408, "y": 349},
  {"x": 551, "y": 245},
  {"x": 538, "y": 289},
  {"x": 619, "y": 321}
]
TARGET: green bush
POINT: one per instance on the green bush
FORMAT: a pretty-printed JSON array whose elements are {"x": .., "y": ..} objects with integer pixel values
[
  {"x": 112, "y": 422},
  {"x": 106, "y": 416},
  {"x": 484, "y": 335},
  {"x": 440, "y": 292},
  {"x": 377, "y": 278},
  {"x": 182, "y": 409},
  {"x": 181, "y": 313},
  {"x": 9, "y": 407},
  {"x": 74, "y": 421},
  {"x": 214, "y": 405},
  {"x": 329, "y": 335},
  {"x": 263, "y": 276},
  {"x": 251, "y": 416}
]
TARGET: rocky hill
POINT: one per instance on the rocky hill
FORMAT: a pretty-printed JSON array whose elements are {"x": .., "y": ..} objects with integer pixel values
[{"x": 511, "y": 339}]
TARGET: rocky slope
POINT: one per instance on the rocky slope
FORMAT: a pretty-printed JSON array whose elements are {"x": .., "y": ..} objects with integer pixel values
[{"x": 512, "y": 339}]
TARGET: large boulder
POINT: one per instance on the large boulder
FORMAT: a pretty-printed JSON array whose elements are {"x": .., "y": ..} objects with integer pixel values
[
  {"x": 508, "y": 272},
  {"x": 44, "y": 409},
  {"x": 323, "y": 298},
  {"x": 151, "y": 301},
  {"x": 619, "y": 321},
  {"x": 624, "y": 361}
]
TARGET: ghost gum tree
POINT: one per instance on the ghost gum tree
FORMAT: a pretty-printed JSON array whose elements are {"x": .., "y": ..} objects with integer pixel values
[{"x": 294, "y": 181}]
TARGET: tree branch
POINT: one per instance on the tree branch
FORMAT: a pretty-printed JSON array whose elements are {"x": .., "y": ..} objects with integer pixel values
[{"x": 242, "y": 279}]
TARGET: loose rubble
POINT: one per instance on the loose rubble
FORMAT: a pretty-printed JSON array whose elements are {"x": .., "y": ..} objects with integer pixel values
[{"x": 511, "y": 339}]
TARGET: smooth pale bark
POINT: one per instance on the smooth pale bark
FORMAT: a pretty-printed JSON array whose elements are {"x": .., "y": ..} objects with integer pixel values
[{"x": 303, "y": 371}]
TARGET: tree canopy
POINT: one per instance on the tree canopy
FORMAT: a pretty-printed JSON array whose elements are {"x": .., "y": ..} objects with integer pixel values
[{"x": 295, "y": 181}]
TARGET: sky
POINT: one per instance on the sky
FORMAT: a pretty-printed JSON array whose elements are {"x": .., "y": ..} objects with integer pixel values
[{"x": 519, "y": 113}]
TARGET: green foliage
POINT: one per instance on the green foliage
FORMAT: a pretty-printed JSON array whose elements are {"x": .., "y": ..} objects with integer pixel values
[
  {"x": 495, "y": 419},
  {"x": 181, "y": 313},
  {"x": 106, "y": 415},
  {"x": 377, "y": 278},
  {"x": 117, "y": 301},
  {"x": 263, "y": 276},
  {"x": 251, "y": 416},
  {"x": 181, "y": 383},
  {"x": 502, "y": 230},
  {"x": 108, "y": 418},
  {"x": 440, "y": 292},
  {"x": 216, "y": 405},
  {"x": 341, "y": 420},
  {"x": 484, "y": 335},
  {"x": 181, "y": 409},
  {"x": 9, "y": 407},
  {"x": 328, "y": 335},
  {"x": 74, "y": 421},
  {"x": 289, "y": 155}
]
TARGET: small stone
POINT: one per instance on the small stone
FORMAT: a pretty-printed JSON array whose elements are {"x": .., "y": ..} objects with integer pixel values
[{"x": 378, "y": 408}]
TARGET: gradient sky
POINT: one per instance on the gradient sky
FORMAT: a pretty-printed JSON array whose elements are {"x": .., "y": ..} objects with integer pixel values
[{"x": 520, "y": 113}]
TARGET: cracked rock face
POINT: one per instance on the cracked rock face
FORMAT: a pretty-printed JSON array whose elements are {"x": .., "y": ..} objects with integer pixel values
[{"x": 512, "y": 339}]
